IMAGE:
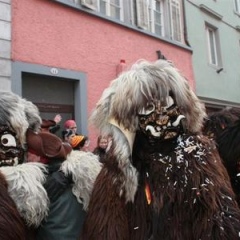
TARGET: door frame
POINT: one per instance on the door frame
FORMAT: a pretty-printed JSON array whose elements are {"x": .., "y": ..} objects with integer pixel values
[{"x": 80, "y": 86}]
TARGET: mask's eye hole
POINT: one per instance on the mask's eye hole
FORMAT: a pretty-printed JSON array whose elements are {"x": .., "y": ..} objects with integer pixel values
[
  {"x": 148, "y": 109},
  {"x": 8, "y": 140}
]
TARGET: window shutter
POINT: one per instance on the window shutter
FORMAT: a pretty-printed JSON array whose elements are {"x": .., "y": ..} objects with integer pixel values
[
  {"x": 91, "y": 4},
  {"x": 127, "y": 11},
  {"x": 142, "y": 14}
]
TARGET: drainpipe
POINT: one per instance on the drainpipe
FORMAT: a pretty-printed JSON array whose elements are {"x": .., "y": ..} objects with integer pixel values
[{"x": 185, "y": 33}]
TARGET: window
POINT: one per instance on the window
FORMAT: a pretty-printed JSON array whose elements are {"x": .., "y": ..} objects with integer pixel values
[
  {"x": 91, "y": 4},
  {"x": 237, "y": 6},
  {"x": 213, "y": 45},
  {"x": 121, "y": 10},
  {"x": 162, "y": 17},
  {"x": 175, "y": 20},
  {"x": 156, "y": 17},
  {"x": 112, "y": 8}
]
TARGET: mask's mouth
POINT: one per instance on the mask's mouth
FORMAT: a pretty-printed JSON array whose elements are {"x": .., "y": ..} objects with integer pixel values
[
  {"x": 11, "y": 156},
  {"x": 168, "y": 131},
  {"x": 9, "y": 162}
]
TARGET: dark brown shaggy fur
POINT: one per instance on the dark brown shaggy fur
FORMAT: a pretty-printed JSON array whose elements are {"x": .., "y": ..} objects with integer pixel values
[
  {"x": 216, "y": 122},
  {"x": 107, "y": 216},
  {"x": 191, "y": 199},
  {"x": 11, "y": 225},
  {"x": 191, "y": 194},
  {"x": 225, "y": 128},
  {"x": 229, "y": 149}
]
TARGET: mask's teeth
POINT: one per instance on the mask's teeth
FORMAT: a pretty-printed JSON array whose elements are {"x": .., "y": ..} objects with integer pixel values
[{"x": 15, "y": 161}]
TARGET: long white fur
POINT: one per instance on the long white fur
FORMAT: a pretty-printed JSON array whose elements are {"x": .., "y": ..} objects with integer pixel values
[
  {"x": 19, "y": 114},
  {"x": 130, "y": 93},
  {"x": 124, "y": 163},
  {"x": 25, "y": 186},
  {"x": 84, "y": 168}
]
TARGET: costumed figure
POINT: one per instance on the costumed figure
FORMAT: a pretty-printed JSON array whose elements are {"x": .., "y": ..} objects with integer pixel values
[
  {"x": 223, "y": 127},
  {"x": 217, "y": 121},
  {"x": 71, "y": 175},
  {"x": 23, "y": 201},
  {"x": 29, "y": 192},
  {"x": 162, "y": 178}
]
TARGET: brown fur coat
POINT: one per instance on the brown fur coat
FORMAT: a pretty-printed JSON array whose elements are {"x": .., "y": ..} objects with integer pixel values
[
  {"x": 190, "y": 196},
  {"x": 12, "y": 226}
]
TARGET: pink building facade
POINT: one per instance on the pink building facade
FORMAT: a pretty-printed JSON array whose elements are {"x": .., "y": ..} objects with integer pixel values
[{"x": 64, "y": 56}]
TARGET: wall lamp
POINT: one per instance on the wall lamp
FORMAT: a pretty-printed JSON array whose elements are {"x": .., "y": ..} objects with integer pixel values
[{"x": 219, "y": 70}]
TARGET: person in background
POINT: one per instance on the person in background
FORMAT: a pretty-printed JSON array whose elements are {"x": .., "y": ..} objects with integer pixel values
[
  {"x": 51, "y": 125},
  {"x": 67, "y": 135},
  {"x": 80, "y": 142},
  {"x": 102, "y": 146},
  {"x": 66, "y": 215},
  {"x": 71, "y": 124}
]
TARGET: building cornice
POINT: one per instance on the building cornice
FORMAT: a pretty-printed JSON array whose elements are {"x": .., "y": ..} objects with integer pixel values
[{"x": 210, "y": 12}]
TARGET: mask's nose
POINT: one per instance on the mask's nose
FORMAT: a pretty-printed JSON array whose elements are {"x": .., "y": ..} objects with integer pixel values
[{"x": 162, "y": 120}]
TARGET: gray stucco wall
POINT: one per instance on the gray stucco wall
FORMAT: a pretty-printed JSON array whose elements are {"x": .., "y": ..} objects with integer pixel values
[
  {"x": 223, "y": 87},
  {"x": 5, "y": 44}
]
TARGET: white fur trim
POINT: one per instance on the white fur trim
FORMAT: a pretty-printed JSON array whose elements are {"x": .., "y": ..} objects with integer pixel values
[
  {"x": 84, "y": 168},
  {"x": 122, "y": 151},
  {"x": 130, "y": 136},
  {"x": 19, "y": 114},
  {"x": 26, "y": 189}
]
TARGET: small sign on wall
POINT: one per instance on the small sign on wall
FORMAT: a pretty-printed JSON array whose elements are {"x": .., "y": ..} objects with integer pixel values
[{"x": 54, "y": 71}]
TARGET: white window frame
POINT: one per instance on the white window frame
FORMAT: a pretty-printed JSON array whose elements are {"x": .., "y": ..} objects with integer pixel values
[
  {"x": 108, "y": 6},
  {"x": 237, "y": 6},
  {"x": 142, "y": 13},
  {"x": 171, "y": 18},
  {"x": 176, "y": 28},
  {"x": 142, "y": 18},
  {"x": 90, "y": 4},
  {"x": 152, "y": 8},
  {"x": 212, "y": 43}
]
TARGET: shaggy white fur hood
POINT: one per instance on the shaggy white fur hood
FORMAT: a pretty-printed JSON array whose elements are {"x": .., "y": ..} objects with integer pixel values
[
  {"x": 25, "y": 186},
  {"x": 84, "y": 168}
]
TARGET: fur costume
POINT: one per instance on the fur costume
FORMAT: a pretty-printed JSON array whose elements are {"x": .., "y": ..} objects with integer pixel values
[
  {"x": 24, "y": 181},
  {"x": 216, "y": 122},
  {"x": 162, "y": 178},
  {"x": 224, "y": 128},
  {"x": 24, "y": 201}
]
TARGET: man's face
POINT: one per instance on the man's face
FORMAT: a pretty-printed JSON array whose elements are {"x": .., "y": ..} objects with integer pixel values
[
  {"x": 73, "y": 127},
  {"x": 11, "y": 152},
  {"x": 161, "y": 121}
]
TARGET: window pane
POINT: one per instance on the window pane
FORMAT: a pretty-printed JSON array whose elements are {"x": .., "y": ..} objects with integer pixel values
[
  {"x": 142, "y": 10},
  {"x": 158, "y": 19},
  {"x": 176, "y": 27},
  {"x": 111, "y": 8},
  {"x": 115, "y": 9},
  {"x": 103, "y": 6},
  {"x": 175, "y": 20},
  {"x": 212, "y": 46},
  {"x": 237, "y": 5}
]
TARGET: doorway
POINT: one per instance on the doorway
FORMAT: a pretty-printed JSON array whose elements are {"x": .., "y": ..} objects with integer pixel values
[{"x": 53, "y": 91}]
